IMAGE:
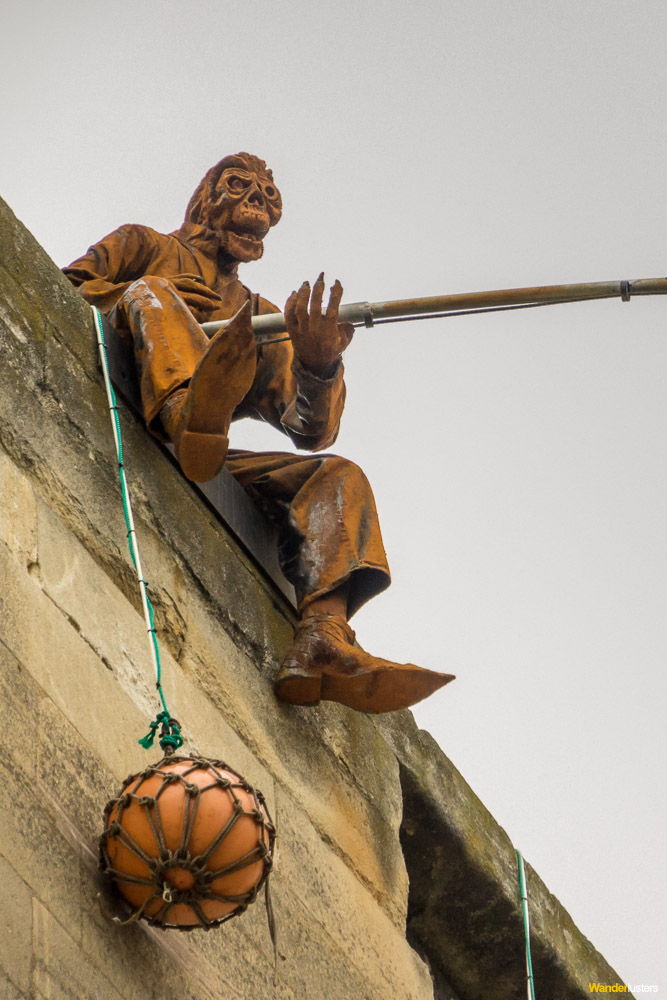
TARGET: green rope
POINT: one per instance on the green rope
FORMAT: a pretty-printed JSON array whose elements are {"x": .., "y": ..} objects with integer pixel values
[
  {"x": 530, "y": 982},
  {"x": 170, "y": 736}
]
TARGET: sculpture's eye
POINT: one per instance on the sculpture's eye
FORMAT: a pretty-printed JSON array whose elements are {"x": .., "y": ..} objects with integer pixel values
[
  {"x": 270, "y": 191},
  {"x": 237, "y": 184}
]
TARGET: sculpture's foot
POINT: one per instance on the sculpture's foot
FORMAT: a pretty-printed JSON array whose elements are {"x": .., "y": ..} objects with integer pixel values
[
  {"x": 220, "y": 381},
  {"x": 324, "y": 665}
]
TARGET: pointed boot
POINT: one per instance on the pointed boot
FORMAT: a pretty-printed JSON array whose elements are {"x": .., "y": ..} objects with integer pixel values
[{"x": 325, "y": 665}]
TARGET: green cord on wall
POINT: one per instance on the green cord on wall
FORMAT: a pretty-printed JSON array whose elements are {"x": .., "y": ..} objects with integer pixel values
[
  {"x": 530, "y": 982},
  {"x": 170, "y": 736}
]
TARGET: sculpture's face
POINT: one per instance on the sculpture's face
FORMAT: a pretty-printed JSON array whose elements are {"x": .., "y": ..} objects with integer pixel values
[{"x": 245, "y": 205}]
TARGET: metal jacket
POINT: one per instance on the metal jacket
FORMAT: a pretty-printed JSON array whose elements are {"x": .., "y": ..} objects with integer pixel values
[{"x": 284, "y": 393}]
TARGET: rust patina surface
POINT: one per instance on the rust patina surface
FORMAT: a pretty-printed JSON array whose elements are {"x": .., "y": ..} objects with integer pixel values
[{"x": 157, "y": 289}]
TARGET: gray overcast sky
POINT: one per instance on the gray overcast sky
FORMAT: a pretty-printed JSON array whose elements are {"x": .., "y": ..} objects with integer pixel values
[{"x": 518, "y": 461}]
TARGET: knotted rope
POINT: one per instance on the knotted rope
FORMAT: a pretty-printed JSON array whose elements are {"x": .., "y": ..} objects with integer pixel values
[{"x": 170, "y": 735}]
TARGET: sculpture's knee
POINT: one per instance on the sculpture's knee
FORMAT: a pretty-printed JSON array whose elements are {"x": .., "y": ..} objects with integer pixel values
[
  {"x": 346, "y": 471},
  {"x": 153, "y": 282},
  {"x": 149, "y": 291}
]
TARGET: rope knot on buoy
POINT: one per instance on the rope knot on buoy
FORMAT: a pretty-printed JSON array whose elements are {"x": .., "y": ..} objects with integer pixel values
[{"x": 170, "y": 733}]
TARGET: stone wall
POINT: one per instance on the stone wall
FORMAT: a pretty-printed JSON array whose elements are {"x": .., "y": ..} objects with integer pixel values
[{"x": 360, "y": 803}]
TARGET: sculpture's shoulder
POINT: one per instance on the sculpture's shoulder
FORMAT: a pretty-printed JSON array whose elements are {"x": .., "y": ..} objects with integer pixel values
[
  {"x": 134, "y": 234},
  {"x": 125, "y": 253},
  {"x": 127, "y": 241},
  {"x": 157, "y": 253}
]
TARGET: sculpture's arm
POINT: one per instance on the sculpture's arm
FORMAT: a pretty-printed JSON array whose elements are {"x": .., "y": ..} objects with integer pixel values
[
  {"x": 110, "y": 266},
  {"x": 286, "y": 394},
  {"x": 312, "y": 418}
]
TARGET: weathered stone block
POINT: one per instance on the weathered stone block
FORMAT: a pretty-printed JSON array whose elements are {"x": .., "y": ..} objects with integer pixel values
[
  {"x": 63, "y": 664},
  {"x": 18, "y": 516},
  {"x": 16, "y": 936},
  {"x": 38, "y": 852},
  {"x": 312, "y": 879},
  {"x": 19, "y": 697},
  {"x": 8, "y": 991},
  {"x": 61, "y": 971}
]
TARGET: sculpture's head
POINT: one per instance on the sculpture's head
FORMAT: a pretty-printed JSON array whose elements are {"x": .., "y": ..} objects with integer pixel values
[{"x": 239, "y": 201}]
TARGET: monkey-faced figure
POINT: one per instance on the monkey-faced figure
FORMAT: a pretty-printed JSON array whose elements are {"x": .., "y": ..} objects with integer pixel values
[
  {"x": 238, "y": 199},
  {"x": 156, "y": 290}
]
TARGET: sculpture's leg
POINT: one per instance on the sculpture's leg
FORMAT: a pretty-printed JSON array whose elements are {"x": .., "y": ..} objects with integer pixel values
[
  {"x": 325, "y": 511},
  {"x": 332, "y": 551},
  {"x": 190, "y": 385}
]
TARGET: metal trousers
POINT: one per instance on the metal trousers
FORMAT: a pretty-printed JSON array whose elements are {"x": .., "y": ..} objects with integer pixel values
[
  {"x": 324, "y": 509},
  {"x": 322, "y": 505}
]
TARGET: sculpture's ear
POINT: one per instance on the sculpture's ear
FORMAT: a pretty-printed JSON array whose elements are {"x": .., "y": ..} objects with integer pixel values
[{"x": 194, "y": 212}]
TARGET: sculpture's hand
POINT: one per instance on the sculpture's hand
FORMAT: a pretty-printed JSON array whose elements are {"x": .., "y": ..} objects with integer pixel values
[
  {"x": 318, "y": 338},
  {"x": 198, "y": 297}
]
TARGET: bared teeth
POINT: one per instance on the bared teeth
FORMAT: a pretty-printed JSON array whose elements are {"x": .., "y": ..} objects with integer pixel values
[{"x": 250, "y": 234}]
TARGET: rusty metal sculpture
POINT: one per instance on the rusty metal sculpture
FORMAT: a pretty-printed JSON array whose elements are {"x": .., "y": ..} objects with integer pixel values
[{"x": 157, "y": 290}]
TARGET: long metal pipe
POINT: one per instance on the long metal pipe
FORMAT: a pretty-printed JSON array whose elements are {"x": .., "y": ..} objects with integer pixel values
[{"x": 370, "y": 313}]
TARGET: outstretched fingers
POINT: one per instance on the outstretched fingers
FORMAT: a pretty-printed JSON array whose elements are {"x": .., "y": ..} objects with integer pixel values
[
  {"x": 302, "y": 298},
  {"x": 316, "y": 297},
  {"x": 318, "y": 338},
  {"x": 335, "y": 295},
  {"x": 290, "y": 310},
  {"x": 296, "y": 308}
]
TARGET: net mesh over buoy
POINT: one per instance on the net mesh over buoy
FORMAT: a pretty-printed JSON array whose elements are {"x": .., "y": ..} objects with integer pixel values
[{"x": 188, "y": 843}]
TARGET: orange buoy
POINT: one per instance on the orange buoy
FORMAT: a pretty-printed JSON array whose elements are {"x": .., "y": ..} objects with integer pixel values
[{"x": 188, "y": 842}]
